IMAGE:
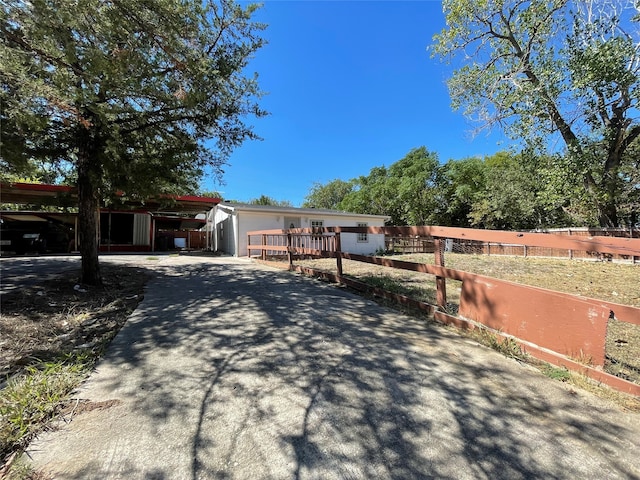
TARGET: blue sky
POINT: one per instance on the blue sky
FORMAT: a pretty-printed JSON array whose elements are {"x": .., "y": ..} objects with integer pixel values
[{"x": 350, "y": 86}]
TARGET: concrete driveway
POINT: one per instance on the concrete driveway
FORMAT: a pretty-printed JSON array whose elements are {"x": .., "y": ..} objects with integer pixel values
[
  {"x": 20, "y": 271},
  {"x": 23, "y": 271},
  {"x": 231, "y": 370}
]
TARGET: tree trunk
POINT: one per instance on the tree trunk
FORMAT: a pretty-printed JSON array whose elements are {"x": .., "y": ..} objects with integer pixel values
[
  {"x": 603, "y": 195},
  {"x": 608, "y": 213},
  {"x": 88, "y": 211},
  {"x": 611, "y": 189}
]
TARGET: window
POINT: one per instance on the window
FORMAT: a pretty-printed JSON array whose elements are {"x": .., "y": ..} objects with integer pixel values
[
  {"x": 116, "y": 228},
  {"x": 363, "y": 237},
  {"x": 317, "y": 224}
]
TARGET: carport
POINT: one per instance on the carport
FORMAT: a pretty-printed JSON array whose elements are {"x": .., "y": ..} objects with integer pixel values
[{"x": 160, "y": 223}]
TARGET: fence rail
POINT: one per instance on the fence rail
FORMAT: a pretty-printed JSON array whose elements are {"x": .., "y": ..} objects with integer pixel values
[
  {"x": 553, "y": 326},
  {"x": 425, "y": 244},
  {"x": 400, "y": 244}
]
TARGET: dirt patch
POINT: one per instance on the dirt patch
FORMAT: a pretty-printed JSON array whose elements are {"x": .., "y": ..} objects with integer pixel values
[
  {"x": 46, "y": 321},
  {"x": 78, "y": 407}
]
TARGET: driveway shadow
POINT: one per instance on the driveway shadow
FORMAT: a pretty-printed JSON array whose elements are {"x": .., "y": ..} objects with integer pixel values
[{"x": 233, "y": 370}]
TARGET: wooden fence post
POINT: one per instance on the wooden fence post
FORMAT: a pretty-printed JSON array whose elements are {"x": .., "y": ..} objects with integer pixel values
[
  {"x": 570, "y": 250},
  {"x": 338, "y": 254},
  {"x": 289, "y": 252},
  {"x": 264, "y": 244},
  {"x": 441, "y": 282}
]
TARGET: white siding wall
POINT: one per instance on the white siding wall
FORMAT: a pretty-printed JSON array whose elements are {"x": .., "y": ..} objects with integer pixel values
[
  {"x": 256, "y": 221},
  {"x": 350, "y": 244},
  {"x": 349, "y": 241},
  {"x": 243, "y": 222},
  {"x": 224, "y": 231},
  {"x": 250, "y": 221}
]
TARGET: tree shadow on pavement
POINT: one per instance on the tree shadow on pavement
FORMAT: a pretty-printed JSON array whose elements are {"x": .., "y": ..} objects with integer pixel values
[{"x": 239, "y": 371}]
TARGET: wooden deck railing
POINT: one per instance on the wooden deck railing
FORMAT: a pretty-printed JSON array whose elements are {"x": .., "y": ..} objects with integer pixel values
[
  {"x": 319, "y": 242},
  {"x": 553, "y": 326}
]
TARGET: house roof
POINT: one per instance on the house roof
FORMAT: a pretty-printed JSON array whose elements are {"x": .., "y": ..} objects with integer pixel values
[
  {"x": 35, "y": 193},
  {"x": 246, "y": 207}
]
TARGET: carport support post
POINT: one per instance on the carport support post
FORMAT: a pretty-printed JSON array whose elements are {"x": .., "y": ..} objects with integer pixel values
[
  {"x": 153, "y": 234},
  {"x": 75, "y": 235},
  {"x": 441, "y": 282}
]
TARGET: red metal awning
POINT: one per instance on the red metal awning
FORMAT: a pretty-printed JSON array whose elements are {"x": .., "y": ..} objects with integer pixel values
[{"x": 63, "y": 195}]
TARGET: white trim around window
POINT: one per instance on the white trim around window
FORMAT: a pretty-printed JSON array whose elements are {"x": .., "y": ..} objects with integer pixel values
[{"x": 363, "y": 237}]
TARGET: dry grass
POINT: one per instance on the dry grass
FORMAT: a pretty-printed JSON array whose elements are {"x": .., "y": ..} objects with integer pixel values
[
  {"x": 613, "y": 282},
  {"x": 51, "y": 319},
  {"x": 50, "y": 336}
]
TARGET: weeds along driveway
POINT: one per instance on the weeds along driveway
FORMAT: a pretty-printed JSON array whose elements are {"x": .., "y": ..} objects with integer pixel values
[{"x": 231, "y": 370}]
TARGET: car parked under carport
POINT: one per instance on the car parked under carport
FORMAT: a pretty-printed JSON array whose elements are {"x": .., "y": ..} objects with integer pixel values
[{"x": 22, "y": 233}]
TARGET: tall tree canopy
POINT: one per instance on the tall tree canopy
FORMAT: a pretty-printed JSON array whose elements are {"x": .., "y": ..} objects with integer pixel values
[
  {"x": 372, "y": 194},
  {"x": 267, "y": 200},
  {"x": 127, "y": 93},
  {"x": 413, "y": 186},
  {"x": 328, "y": 195},
  {"x": 512, "y": 197},
  {"x": 406, "y": 191},
  {"x": 540, "y": 68},
  {"x": 463, "y": 184},
  {"x": 501, "y": 191}
]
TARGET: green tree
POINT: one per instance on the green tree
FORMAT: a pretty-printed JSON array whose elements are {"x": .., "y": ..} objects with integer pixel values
[
  {"x": 328, "y": 195},
  {"x": 406, "y": 191},
  {"x": 372, "y": 194},
  {"x": 463, "y": 184},
  {"x": 629, "y": 205},
  {"x": 539, "y": 68},
  {"x": 135, "y": 96},
  {"x": 504, "y": 190},
  {"x": 414, "y": 182},
  {"x": 266, "y": 200},
  {"x": 30, "y": 172},
  {"x": 513, "y": 195},
  {"x": 563, "y": 188},
  {"x": 508, "y": 201}
]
